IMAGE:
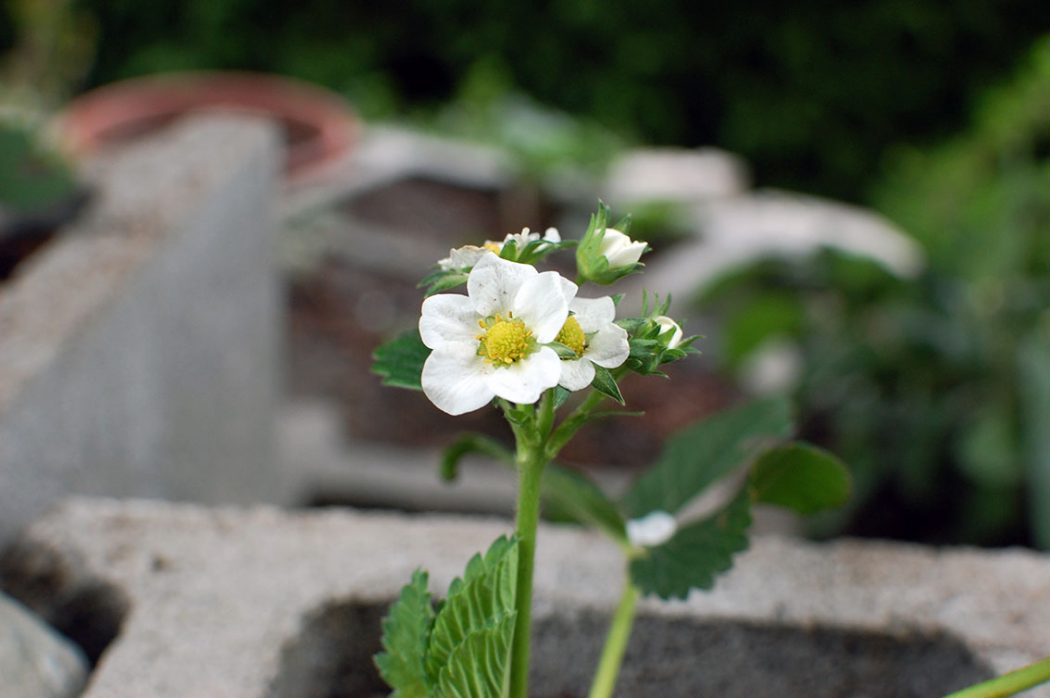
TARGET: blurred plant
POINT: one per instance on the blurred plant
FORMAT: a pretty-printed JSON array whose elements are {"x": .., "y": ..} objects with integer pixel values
[
  {"x": 52, "y": 52},
  {"x": 936, "y": 391},
  {"x": 33, "y": 176}
]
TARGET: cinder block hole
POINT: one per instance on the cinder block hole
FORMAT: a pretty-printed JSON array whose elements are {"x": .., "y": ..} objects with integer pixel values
[
  {"x": 667, "y": 658},
  {"x": 88, "y": 611}
]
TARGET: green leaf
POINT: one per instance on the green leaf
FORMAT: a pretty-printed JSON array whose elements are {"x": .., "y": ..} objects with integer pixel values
[
  {"x": 481, "y": 600},
  {"x": 702, "y": 453},
  {"x": 400, "y": 361},
  {"x": 605, "y": 384},
  {"x": 480, "y": 666},
  {"x": 563, "y": 351},
  {"x": 800, "y": 477},
  {"x": 1034, "y": 368},
  {"x": 697, "y": 553},
  {"x": 571, "y": 496},
  {"x": 467, "y": 444},
  {"x": 406, "y": 630}
]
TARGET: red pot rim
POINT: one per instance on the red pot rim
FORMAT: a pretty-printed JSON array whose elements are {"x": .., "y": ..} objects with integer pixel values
[{"x": 116, "y": 113}]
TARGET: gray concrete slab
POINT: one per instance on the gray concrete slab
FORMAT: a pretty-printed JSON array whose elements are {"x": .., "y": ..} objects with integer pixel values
[
  {"x": 259, "y": 602},
  {"x": 141, "y": 348}
]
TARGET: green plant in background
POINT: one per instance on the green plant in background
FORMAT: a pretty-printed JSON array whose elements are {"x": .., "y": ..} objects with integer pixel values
[
  {"x": 937, "y": 391},
  {"x": 34, "y": 177},
  {"x": 524, "y": 341}
]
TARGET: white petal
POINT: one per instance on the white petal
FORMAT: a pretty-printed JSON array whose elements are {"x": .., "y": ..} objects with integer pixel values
[
  {"x": 448, "y": 317},
  {"x": 462, "y": 257},
  {"x": 455, "y": 379},
  {"x": 608, "y": 347},
  {"x": 552, "y": 235},
  {"x": 593, "y": 313},
  {"x": 654, "y": 528},
  {"x": 666, "y": 324},
  {"x": 576, "y": 374},
  {"x": 494, "y": 282},
  {"x": 524, "y": 381},
  {"x": 619, "y": 249},
  {"x": 542, "y": 304}
]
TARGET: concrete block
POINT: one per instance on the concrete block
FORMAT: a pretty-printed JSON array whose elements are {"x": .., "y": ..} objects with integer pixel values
[
  {"x": 141, "y": 348},
  {"x": 217, "y": 603}
]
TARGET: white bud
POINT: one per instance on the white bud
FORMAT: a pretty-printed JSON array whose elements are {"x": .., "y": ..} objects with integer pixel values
[
  {"x": 620, "y": 250},
  {"x": 654, "y": 528},
  {"x": 666, "y": 324},
  {"x": 462, "y": 257}
]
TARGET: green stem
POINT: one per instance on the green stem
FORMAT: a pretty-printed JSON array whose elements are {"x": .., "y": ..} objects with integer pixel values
[
  {"x": 1009, "y": 684},
  {"x": 571, "y": 424},
  {"x": 615, "y": 644},
  {"x": 530, "y": 473}
]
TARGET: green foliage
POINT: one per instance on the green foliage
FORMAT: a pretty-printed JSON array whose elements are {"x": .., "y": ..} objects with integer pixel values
[
  {"x": 462, "y": 650},
  {"x": 400, "y": 361},
  {"x": 406, "y": 634},
  {"x": 800, "y": 477},
  {"x": 918, "y": 384},
  {"x": 1034, "y": 377},
  {"x": 467, "y": 444},
  {"x": 605, "y": 384},
  {"x": 697, "y": 553},
  {"x": 33, "y": 177},
  {"x": 703, "y": 453},
  {"x": 571, "y": 496}
]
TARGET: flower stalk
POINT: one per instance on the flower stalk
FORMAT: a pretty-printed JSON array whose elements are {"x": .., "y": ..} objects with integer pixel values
[
  {"x": 615, "y": 643},
  {"x": 1009, "y": 684}
]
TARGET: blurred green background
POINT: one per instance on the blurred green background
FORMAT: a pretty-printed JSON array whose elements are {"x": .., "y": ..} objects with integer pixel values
[{"x": 936, "y": 390}]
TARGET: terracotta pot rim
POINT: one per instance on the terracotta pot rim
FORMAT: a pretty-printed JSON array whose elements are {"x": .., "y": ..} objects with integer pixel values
[{"x": 105, "y": 115}]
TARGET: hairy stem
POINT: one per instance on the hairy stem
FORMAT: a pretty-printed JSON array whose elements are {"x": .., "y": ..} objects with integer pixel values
[
  {"x": 615, "y": 644},
  {"x": 1009, "y": 684},
  {"x": 530, "y": 472}
]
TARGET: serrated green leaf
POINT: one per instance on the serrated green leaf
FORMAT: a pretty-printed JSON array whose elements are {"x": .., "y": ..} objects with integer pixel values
[
  {"x": 697, "y": 553},
  {"x": 571, "y": 496},
  {"x": 702, "y": 453},
  {"x": 406, "y": 630},
  {"x": 400, "y": 361},
  {"x": 800, "y": 477},
  {"x": 467, "y": 444},
  {"x": 605, "y": 384},
  {"x": 482, "y": 599},
  {"x": 480, "y": 666}
]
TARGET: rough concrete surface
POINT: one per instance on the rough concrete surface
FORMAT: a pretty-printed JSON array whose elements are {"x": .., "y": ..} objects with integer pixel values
[
  {"x": 141, "y": 347},
  {"x": 35, "y": 661},
  {"x": 262, "y": 603}
]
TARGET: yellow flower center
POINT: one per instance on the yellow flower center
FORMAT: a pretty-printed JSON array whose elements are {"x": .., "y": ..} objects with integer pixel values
[
  {"x": 504, "y": 341},
  {"x": 493, "y": 246},
  {"x": 572, "y": 336}
]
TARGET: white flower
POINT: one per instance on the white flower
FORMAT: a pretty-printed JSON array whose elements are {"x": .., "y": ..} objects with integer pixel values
[
  {"x": 525, "y": 237},
  {"x": 667, "y": 324},
  {"x": 590, "y": 332},
  {"x": 489, "y": 342},
  {"x": 467, "y": 256},
  {"x": 620, "y": 250},
  {"x": 654, "y": 528},
  {"x": 462, "y": 257}
]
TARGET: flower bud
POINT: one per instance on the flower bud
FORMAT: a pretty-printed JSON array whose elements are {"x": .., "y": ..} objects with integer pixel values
[
  {"x": 668, "y": 325},
  {"x": 655, "y": 528},
  {"x": 620, "y": 250}
]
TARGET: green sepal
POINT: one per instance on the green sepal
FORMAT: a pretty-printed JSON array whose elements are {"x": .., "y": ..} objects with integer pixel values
[
  {"x": 799, "y": 477},
  {"x": 406, "y": 632},
  {"x": 696, "y": 554},
  {"x": 400, "y": 361},
  {"x": 605, "y": 384},
  {"x": 563, "y": 351},
  {"x": 704, "y": 452},
  {"x": 573, "y": 497},
  {"x": 561, "y": 395},
  {"x": 443, "y": 280},
  {"x": 467, "y": 444}
]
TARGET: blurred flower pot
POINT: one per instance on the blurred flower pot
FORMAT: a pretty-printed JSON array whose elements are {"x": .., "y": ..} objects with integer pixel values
[{"x": 319, "y": 128}]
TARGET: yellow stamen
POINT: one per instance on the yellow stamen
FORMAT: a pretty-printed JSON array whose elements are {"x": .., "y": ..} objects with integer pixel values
[
  {"x": 572, "y": 336},
  {"x": 505, "y": 341}
]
